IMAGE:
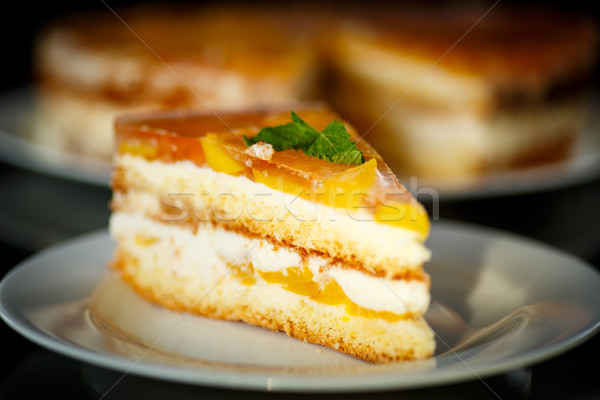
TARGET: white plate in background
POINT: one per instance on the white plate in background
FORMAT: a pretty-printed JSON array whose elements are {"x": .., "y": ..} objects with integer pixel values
[{"x": 17, "y": 148}]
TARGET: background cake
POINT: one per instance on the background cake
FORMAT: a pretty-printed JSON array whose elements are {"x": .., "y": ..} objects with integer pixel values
[
  {"x": 450, "y": 92},
  {"x": 91, "y": 67}
]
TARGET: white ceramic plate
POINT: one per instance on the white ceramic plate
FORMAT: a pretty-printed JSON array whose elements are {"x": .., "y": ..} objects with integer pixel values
[
  {"x": 19, "y": 149},
  {"x": 16, "y": 110},
  {"x": 499, "y": 302}
]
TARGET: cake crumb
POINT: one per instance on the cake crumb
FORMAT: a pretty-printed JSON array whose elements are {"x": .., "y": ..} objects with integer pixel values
[{"x": 262, "y": 150}]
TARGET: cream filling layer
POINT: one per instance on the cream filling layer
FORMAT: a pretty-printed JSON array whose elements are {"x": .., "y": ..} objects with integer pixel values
[
  {"x": 203, "y": 255},
  {"x": 152, "y": 185}
]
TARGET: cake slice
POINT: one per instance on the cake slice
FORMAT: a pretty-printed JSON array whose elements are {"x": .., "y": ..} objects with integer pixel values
[{"x": 281, "y": 220}]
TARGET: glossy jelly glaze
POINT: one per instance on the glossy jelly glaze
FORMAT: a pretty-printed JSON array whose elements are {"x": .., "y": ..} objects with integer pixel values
[{"x": 216, "y": 141}]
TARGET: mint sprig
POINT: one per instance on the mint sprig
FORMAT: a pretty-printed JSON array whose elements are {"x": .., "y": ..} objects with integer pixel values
[{"x": 332, "y": 144}]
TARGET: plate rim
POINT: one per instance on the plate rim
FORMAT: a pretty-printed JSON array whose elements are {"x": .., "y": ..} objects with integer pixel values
[
  {"x": 18, "y": 150},
  {"x": 264, "y": 381}
]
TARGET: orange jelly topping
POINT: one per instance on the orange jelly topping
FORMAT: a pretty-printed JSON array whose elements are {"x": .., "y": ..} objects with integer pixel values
[{"x": 217, "y": 141}]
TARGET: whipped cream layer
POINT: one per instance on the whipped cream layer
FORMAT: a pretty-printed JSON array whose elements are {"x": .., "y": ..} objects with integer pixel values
[
  {"x": 212, "y": 252},
  {"x": 199, "y": 194}
]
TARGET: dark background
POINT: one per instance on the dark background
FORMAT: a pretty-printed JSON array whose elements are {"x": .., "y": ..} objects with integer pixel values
[
  {"x": 568, "y": 218},
  {"x": 22, "y": 19}
]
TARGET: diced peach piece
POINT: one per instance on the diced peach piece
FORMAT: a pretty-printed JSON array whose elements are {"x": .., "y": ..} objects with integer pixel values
[
  {"x": 243, "y": 273},
  {"x": 217, "y": 158},
  {"x": 410, "y": 216},
  {"x": 299, "y": 280},
  {"x": 350, "y": 188},
  {"x": 284, "y": 184},
  {"x": 333, "y": 295},
  {"x": 292, "y": 276},
  {"x": 138, "y": 148}
]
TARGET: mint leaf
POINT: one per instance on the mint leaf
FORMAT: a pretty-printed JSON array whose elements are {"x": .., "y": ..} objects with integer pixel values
[
  {"x": 309, "y": 134},
  {"x": 333, "y": 144},
  {"x": 296, "y": 135}
]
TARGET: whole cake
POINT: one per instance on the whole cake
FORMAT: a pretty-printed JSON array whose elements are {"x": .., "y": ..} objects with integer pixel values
[{"x": 281, "y": 220}]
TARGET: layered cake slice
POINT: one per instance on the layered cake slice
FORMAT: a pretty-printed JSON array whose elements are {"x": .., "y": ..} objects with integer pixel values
[{"x": 282, "y": 220}]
